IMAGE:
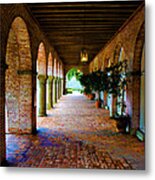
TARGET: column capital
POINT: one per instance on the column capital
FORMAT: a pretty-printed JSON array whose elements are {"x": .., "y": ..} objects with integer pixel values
[
  {"x": 42, "y": 78},
  {"x": 56, "y": 78},
  {"x": 50, "y": 78},
  {"x": 59, "y": 78}
]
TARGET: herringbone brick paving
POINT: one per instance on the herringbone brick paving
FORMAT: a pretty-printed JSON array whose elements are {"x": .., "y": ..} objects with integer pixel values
[{"x": 76, "y": 135}]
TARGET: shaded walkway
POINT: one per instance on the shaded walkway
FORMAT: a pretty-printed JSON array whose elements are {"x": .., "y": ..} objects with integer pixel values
[{"x": 76, "y": 135}]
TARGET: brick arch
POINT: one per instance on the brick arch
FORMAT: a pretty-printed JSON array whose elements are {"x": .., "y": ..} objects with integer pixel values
[
  {"x": 117, "y": 52},
  {"x": 18, "y": 79},
  {"x": 136, "y": 78},
  {"x": 41, "y": 59},
  {"x": 138, "y": 49},
  {"x": 58, "y": 69},
  {"x": 61, "y": 70},
  {"x": 55, "y": 67},
  {"x": 50, "y": 64},
  {"x": 106, "y": 62}
]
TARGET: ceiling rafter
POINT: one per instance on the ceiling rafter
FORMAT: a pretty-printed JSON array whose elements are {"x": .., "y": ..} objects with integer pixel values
[{"x": 72, "y": 26}]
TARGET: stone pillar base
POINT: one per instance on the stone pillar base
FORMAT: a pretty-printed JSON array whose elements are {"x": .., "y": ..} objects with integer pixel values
[
  {"x": 42, "y": 115},
  {"x": 133, "y": 131},
  {"x": 140, "y": 135}
]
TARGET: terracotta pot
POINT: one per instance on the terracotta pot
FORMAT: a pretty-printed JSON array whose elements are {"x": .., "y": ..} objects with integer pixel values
[
  {"x": 88, "y": 95},
  {"x": 91, "y": 96},
  {"x": 98, "y": 104}
]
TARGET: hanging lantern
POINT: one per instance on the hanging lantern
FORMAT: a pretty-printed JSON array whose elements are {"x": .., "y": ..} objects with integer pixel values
[{"x": 84, "y": 55}]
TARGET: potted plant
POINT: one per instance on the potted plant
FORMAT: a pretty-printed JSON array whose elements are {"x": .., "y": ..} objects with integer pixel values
[
  {"x": 85, "y": 81},
  {"x": 98, "y": 79},
  {"x": 123, "y": 123}
]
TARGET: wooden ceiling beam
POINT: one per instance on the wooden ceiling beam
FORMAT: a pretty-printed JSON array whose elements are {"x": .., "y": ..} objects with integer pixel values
[
  {"x": 75, "y": 10},
  {"x": 70, "y": 25},
  {"x": 78, "y": 34},
  {"x": 80, "y": 24},
  {"x": 88, "y": 15},
  {"x": 85, "y": 4},
  {"x": 80, "y": 19},
  {"x": 64, "y": 29}
]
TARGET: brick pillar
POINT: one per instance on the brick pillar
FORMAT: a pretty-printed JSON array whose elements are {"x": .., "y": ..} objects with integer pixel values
[
  {"x": 50, "y": 91},
  {"x": 34, "y": 108},
  {"x": 135, "y": 104},
  {"x": 105, "y": 99},
  {"x": 114, "y": 106},
  {"x": 42, "y": 95},
  {"x": 25, "y": 101},
  {"x": 2, "y": 114}
]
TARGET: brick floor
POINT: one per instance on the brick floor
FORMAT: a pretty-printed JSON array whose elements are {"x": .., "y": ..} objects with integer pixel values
[{"x": 76, "y": 135}]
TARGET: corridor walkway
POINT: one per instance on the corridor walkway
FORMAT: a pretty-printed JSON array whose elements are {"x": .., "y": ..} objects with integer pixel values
[{"x": 76, "y": 135}]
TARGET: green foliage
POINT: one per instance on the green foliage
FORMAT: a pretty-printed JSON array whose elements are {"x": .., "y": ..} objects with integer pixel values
[
  {"x": 112, "y": 80},
  {"x": 116, "y": 79},
  {"x": 73, "y": 73},
  {"x": 99, "y": 80},
  {"x": 86, "y": 82}
]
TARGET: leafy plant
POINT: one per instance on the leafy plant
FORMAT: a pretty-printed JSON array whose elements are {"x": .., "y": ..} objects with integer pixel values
[
  {"x": 99, "y": 81},
  {"x": 73, "y": 73},
  {"x": 85, "y": 81},
  {"x": 117, "y": 81}
]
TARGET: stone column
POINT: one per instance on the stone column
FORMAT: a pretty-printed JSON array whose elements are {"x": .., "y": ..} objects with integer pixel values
[
  {"x": 56, "y": 89},
  {"x": 62, "y": 86},
  {"x": 42, "y": 95},
  {"x": 53, "y": 91},
  {"x": 59, "y": 88},
  {"x": 49, "y": 96}
]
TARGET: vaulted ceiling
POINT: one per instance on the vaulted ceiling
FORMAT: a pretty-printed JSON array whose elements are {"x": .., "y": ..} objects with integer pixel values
[{"x": 71, "y": 26}]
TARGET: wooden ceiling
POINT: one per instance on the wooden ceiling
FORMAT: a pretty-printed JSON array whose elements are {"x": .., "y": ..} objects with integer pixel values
[{"x": 71, "y": 26}]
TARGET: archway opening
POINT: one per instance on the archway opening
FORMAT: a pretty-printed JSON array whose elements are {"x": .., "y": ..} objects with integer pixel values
[
  {"x": 18, "y": 79},
  {"x": 72, "y": 81}
]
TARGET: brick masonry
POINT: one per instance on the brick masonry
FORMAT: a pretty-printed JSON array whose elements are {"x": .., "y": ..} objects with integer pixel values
[
  {"x": 18, "y": 79},
  {"x": 20, "y": 41},
  {"x": 130, "y": 39}
]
